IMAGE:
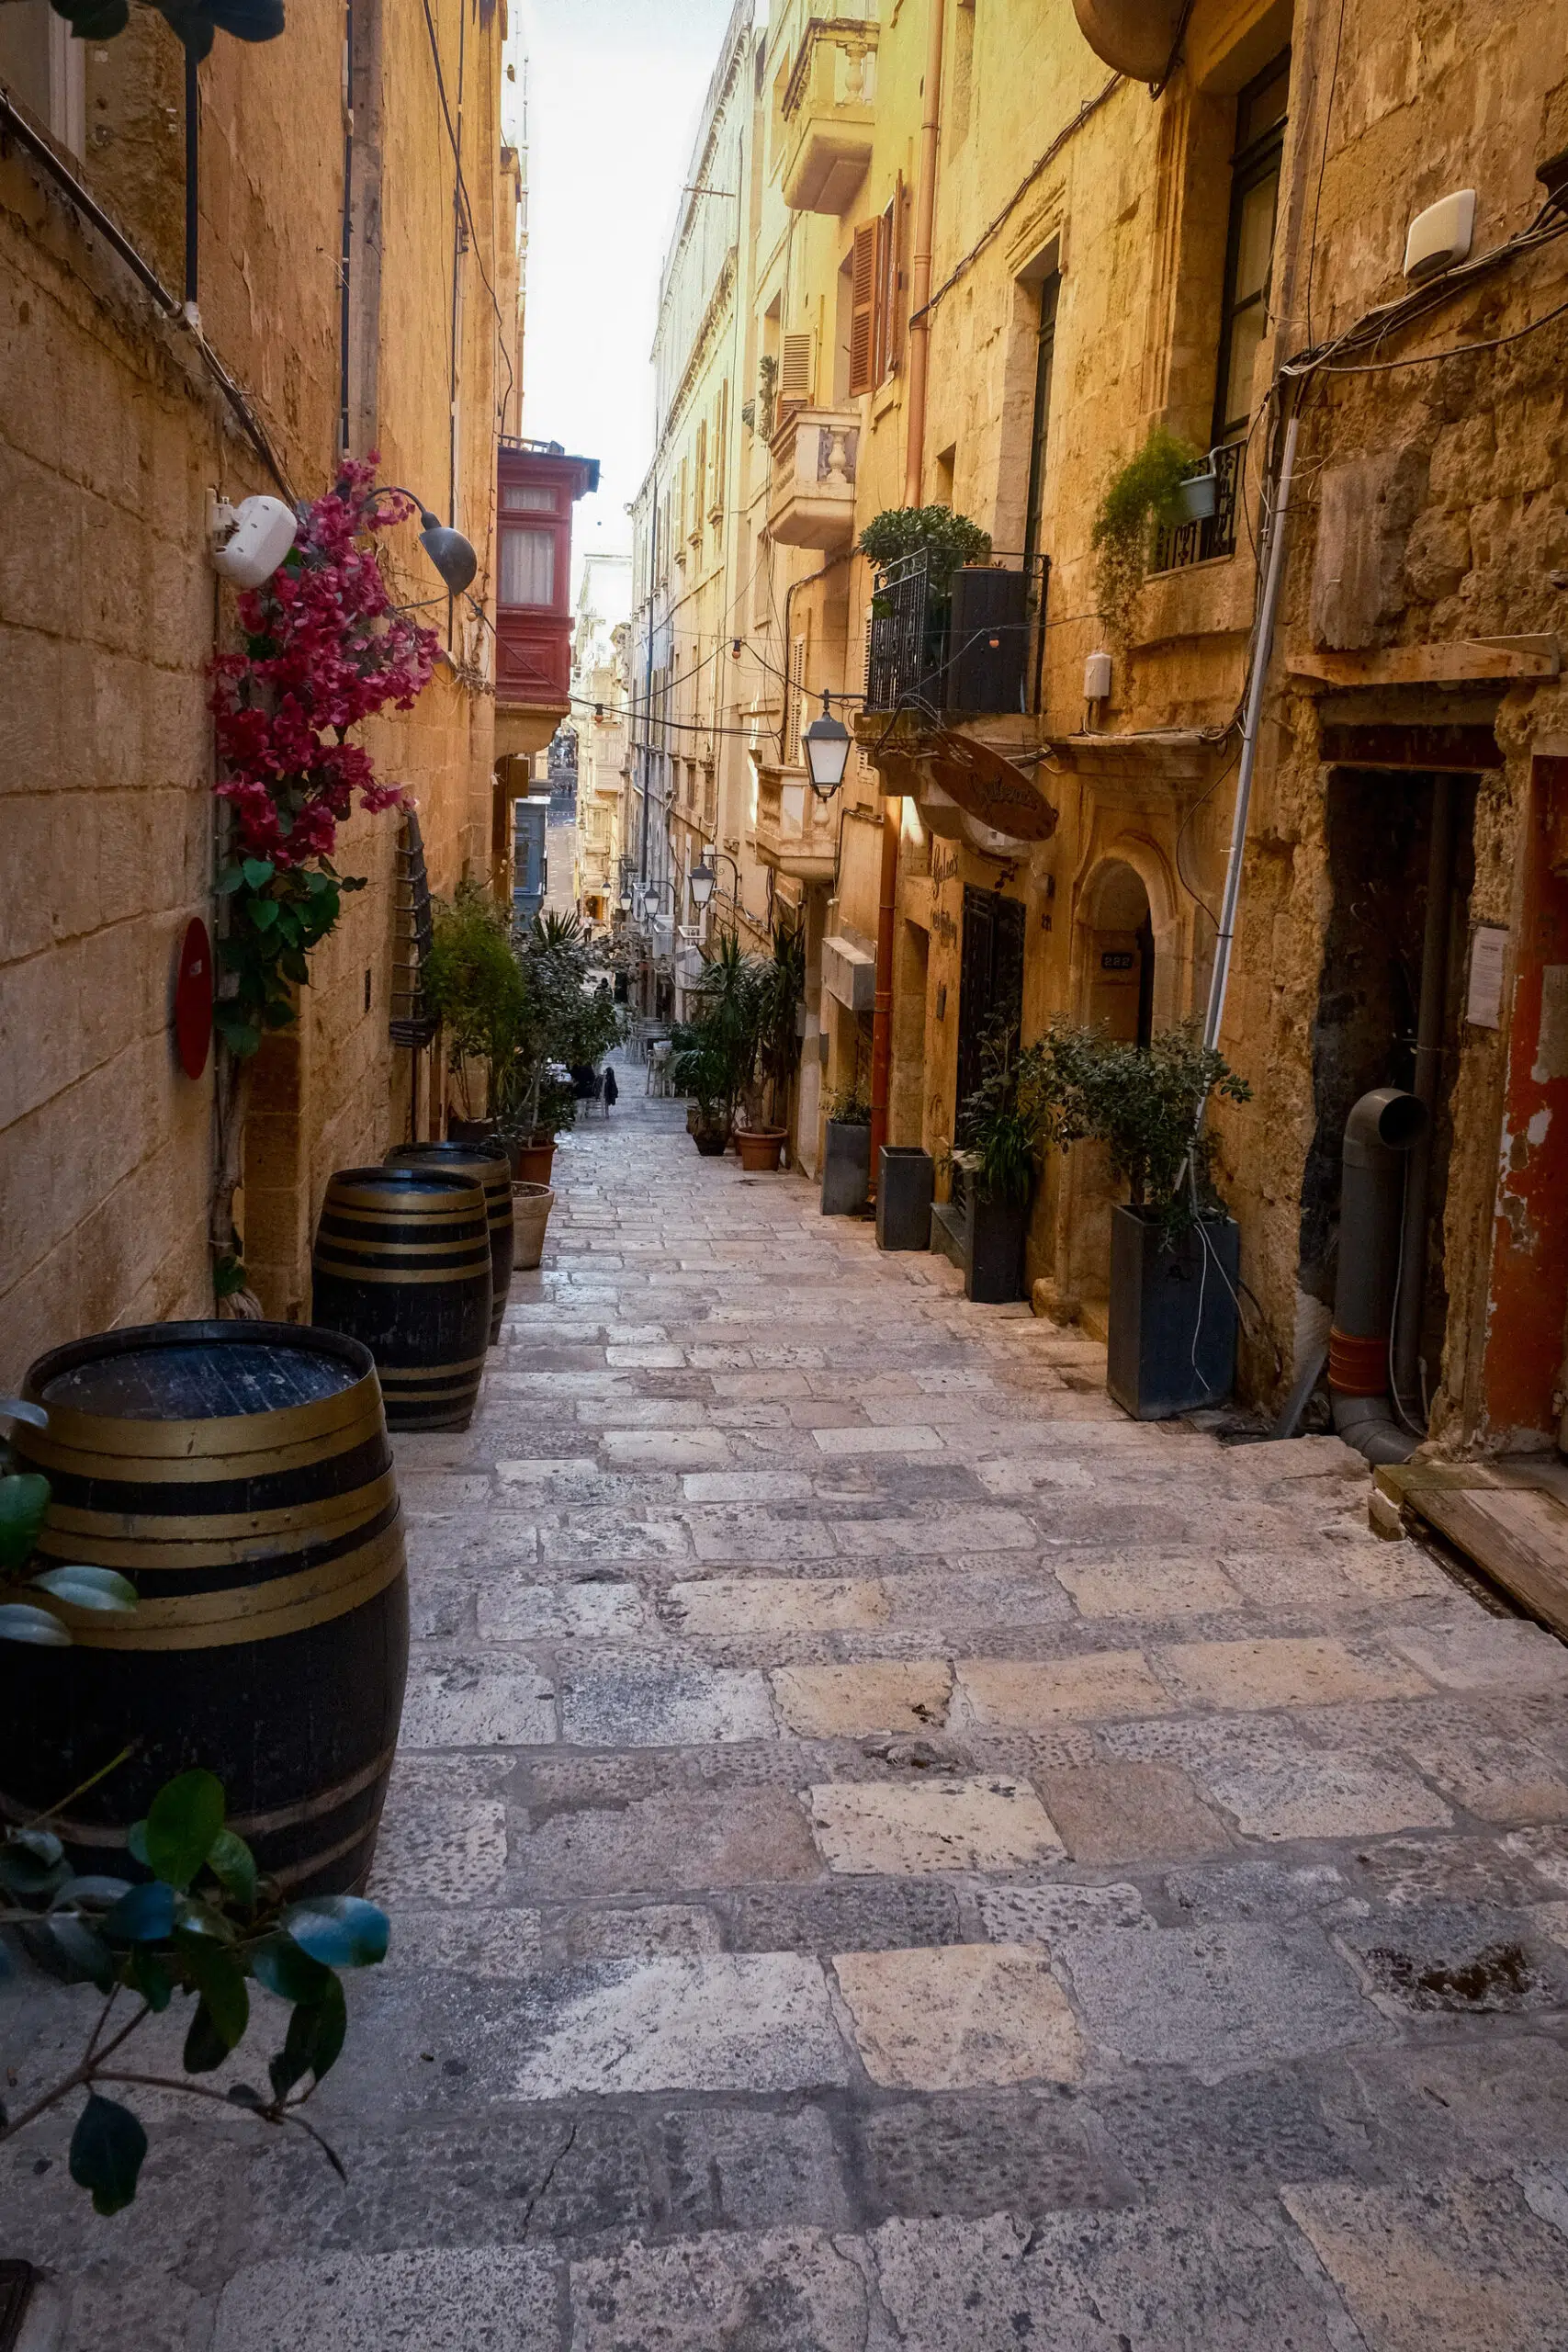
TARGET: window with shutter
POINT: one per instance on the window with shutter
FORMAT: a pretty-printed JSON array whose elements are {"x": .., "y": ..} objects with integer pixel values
[
  {"x": 863, "y": 308},
  {"x": 796, "y": 372}
]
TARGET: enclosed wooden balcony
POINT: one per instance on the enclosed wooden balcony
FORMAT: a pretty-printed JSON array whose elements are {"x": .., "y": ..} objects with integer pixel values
[{"x": 537, "y": 484}]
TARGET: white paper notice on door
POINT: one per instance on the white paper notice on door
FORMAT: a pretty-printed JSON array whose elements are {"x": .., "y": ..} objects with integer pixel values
[{"x": 1484, "y": 1004}]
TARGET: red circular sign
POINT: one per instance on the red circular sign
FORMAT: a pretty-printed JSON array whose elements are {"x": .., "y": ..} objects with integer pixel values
[{"x": 193, "y": 998}]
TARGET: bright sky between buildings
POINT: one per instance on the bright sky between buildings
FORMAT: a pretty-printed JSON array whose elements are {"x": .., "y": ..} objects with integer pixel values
[{"x": 614, "y": 89}]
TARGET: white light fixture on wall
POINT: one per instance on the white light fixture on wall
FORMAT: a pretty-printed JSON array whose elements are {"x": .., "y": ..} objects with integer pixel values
[
  {"x": 249, "y": 541},
  {"x": 702, "y": 879}
]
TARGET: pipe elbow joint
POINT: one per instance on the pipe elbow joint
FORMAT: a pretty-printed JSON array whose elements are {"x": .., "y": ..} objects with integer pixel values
[
  {"x": 1368, "y": 1423},
  {"x": 1386, "y": 1119}
]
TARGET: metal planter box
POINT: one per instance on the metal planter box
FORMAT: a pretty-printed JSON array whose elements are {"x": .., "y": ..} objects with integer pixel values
[
  {"x": 846, "y": 1168},
  {"x": 1173, "y": 1316},
  {"x": 905, "y": 1179}
]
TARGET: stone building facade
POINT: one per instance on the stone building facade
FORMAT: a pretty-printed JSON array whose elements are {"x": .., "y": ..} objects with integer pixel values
[
  {"x": 356, "y": 297},
  {"x": 1210, "y": 240}
]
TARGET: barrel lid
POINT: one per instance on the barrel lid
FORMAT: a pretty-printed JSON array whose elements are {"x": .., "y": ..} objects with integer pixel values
[
  {"x": 177, "y": 1388},
  {"x": 435, "y": 1190},
  {"x": 496, "y": 1166}
]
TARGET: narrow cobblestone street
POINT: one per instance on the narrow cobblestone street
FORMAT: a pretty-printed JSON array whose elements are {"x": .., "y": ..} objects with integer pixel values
[{"x": 887, "y": 1852}]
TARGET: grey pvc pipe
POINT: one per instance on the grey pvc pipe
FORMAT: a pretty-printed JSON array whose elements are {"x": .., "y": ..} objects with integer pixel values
[
  {"x": 1382, "y": 1128},
  {"x": 1426, "y": 1085}
]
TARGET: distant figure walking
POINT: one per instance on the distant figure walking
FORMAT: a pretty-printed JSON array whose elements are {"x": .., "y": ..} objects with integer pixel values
[{"x": 612, "y": 1091}]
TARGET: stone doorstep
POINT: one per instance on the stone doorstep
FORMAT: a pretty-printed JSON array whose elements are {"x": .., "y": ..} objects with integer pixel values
[{"x": 1509, "y": 1519}]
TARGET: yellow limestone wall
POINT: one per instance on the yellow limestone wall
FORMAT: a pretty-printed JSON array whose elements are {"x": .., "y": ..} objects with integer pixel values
[{"x": 110, "y": 437}]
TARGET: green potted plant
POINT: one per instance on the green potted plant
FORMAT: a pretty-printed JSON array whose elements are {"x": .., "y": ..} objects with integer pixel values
[
  {"x": 1145, "y": 494},
  {"x": 474, "y": 984},
  {"x": 570, "y": 1019},
  {"x": 778, "y": 993},
  {"x": 998, "y": 1135},
  {"x": 846, "y": 1153},
  {"x": 716, "y": 1051},
  {"x": 701, "y": 1068},
  {"x": 1174, "y": 1250},
  {"x": 948, "y": 542}
]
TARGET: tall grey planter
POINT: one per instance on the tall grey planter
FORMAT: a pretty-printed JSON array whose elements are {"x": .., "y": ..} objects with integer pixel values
[
  {"x": 906, "y": 1178},
  {"x": 846, "y": 1168},
  {"x": 1173, "y": 1316}
]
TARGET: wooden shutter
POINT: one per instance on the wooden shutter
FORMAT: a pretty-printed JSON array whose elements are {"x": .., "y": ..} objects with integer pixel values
[
  {"x": 863, "y": 308},
  {"x": 796, "y": 372},
  {"x": 886, "y": 279}
]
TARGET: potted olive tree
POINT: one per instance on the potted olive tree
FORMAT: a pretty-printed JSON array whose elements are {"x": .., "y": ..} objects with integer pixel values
[
  {"x": 570, "y": 1019},
  {"x": 778, "y": 991},
  {"x": 1174, "y": 1250},
  {"x": 474, "y": 984}
]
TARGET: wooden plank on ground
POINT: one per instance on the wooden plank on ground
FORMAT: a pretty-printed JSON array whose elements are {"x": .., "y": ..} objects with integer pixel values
[{"x": 1517, "y": 1535}]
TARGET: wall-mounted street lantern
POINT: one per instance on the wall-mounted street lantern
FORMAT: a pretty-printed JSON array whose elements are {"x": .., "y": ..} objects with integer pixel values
[
  {"x": 702, "y": 879},
  {"x": 827, "y": 742},
  {"x": 449, "y": 550}
]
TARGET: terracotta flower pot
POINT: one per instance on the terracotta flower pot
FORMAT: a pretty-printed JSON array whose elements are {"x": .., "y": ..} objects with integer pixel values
[
  {"x": 712, "y": 1142},
  {"x": 759, "y": 1149},
  {"x": 531, "y": 1206},
  {"x": 532, "y": 1163}
]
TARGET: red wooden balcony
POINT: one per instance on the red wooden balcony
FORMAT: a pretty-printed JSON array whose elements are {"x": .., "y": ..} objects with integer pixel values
[{"x": 537, "y": 484}]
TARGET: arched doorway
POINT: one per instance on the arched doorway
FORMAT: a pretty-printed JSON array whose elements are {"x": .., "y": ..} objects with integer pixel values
[{"x": 1119, "y": 958}]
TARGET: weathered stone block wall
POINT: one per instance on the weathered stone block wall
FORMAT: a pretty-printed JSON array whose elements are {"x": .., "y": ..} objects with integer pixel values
[{"x": 110, "y": 435}]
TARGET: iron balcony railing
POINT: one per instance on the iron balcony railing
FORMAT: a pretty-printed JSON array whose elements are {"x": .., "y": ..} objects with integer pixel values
[
  {"x": 975, "y": 644},
  {"x": 1189, "y": 543}
]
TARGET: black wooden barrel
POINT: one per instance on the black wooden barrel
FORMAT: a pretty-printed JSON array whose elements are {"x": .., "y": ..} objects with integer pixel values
[
  {"x": 240, "y": 1475},
  {"x": 494, "y": 1172},
  {"x": 403, "y": 1263}
]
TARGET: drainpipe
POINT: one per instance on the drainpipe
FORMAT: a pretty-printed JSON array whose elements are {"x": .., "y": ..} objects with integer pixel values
[
  {"x": 1273, "y": 578},
  {"x": 914, "y": 453},
  {"x": 920, "y": 274},
  {"x": 1384, "y": 1126},
  {"x": 1428, "y": 1076}
]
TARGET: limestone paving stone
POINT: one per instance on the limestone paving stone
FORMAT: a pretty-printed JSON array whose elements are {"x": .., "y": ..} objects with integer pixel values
[
  {"x": 637, "y": 1931},
  {"x": 644, "y": 1703},
  {"x": 1458, "y": 2265},
  {"x": 942, "y": 1824},
  {"x": 475, "y": 1701},
  {"x": 1129, "y": 1813},
  {"x": 750, "y": 2021},
  {"x": 512, "y": 1612},
  {"x": 1153, "y": 1588},
  {"x": 1478, "y": 1652},
  {"x": 1018, "y": 2151},
  {"x": 959, "y": 2017},
  {"x": 1045, "y": 1915},
  {"x": 1036, "y": 1694},
  {"x": 723, "y": 2291},
  {"x": 1286, "y": 1673},
  {"x": 778, "y": 1604},
  {"x": 829, "y": 1701},
  {"x": 1214, "y": 1998},
  {"x": 428, "y": 2299},
  {"x": 731, "y": 1839}
]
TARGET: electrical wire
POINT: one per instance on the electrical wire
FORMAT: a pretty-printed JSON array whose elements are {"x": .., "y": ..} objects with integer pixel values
[
  {"x": 1090, "y": 108},
  {"x": 1323, "y": 165},
  {"x": 468, "y": 208}
]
